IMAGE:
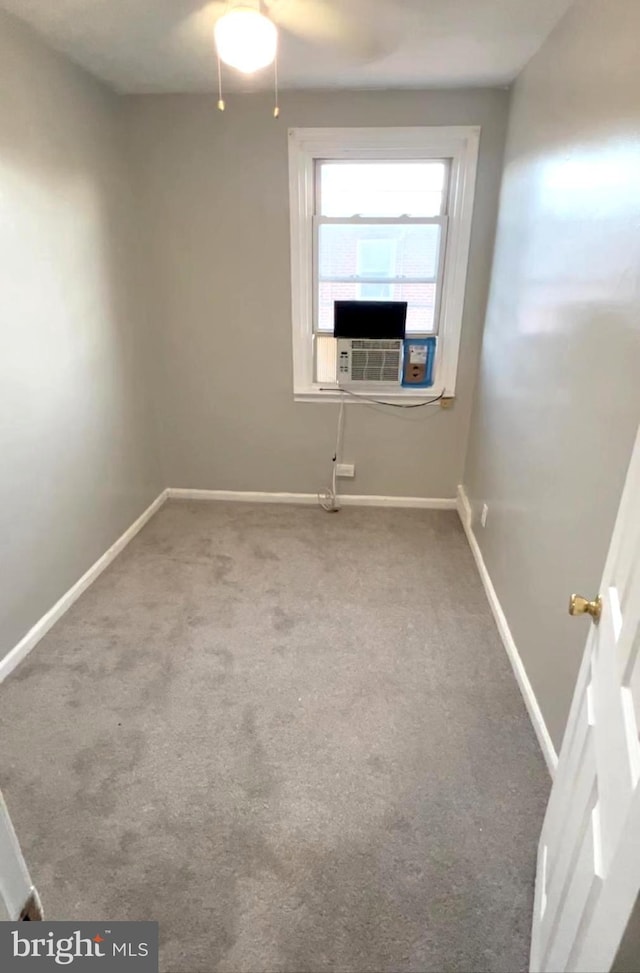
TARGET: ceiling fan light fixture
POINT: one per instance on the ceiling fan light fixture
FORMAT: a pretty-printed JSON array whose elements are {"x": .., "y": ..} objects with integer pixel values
[{"x": 246, "y": 40}]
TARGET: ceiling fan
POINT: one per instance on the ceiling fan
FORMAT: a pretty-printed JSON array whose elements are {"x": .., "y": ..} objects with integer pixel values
[{"x": 246, "y": 31}]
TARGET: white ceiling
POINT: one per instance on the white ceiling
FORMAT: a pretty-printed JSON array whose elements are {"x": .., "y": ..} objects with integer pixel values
[{"x": 166, "y": 45}]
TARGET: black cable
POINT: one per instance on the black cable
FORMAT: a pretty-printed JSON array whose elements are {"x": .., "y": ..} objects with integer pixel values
[{"x": 391, "y": 405}]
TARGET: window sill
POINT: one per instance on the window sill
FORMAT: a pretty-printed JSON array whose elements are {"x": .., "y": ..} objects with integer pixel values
[{"x": 317, "y": 393}]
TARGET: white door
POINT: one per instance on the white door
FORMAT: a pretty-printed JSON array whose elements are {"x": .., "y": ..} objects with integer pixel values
[
  {"x": 589, "y": 855},
  {"x": 18, "y": 897}
]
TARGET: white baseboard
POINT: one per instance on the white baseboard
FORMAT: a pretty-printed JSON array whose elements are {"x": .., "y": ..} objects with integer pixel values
[
  {"x": 345, "y": 500},
  {"x": 248, "y": 496},
  {"x": 40, "y": 629},
  {"x": 533, "y": 707}
]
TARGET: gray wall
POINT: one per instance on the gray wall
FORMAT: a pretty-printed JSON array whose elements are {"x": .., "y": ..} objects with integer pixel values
[
  {"x": 215, "y": 187},
  {"x": 558, "y": 399},
  {"x": 75, "y": 427},
  {"x": 628, "y": 956}
]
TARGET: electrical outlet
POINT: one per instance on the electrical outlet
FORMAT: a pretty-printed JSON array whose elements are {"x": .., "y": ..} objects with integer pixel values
[
  {"x": 346, "y": 470},
  {"x": 483, "y": 515}
]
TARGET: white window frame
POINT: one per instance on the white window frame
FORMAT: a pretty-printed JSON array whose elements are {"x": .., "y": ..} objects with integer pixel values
[{"x": 306, "y": 145}]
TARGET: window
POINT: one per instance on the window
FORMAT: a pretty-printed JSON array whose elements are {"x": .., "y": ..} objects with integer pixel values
[
  {"x": 383, "y": 222},
  {"x": 379, "y": 214}
]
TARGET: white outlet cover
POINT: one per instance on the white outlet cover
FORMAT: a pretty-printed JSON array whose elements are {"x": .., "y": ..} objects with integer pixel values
[
  {"x": 346, "y": 470},
  {"x": 483, "y": 515}
]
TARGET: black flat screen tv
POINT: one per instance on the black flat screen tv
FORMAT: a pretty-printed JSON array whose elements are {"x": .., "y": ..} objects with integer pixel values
[{"x": 369, "y": 319}]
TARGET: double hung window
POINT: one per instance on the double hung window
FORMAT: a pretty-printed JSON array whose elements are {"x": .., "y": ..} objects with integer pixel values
[{"x": 381, "y": 215}]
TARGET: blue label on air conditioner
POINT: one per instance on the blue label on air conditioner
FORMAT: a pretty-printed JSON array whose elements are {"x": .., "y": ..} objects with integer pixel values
[{"x": 418, "y": 361}]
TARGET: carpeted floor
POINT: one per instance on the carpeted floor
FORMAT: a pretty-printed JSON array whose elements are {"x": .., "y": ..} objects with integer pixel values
[{"x": 293, "y": 738}]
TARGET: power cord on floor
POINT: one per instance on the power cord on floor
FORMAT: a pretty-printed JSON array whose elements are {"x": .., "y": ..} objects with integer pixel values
[{"x": 329, "y": 499}]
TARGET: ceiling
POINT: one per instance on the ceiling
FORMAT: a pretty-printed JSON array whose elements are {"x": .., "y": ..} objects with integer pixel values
[{"x": 166, "y": 45}]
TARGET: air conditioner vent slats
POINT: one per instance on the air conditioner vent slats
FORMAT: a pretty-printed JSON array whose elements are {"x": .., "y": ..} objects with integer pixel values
[
  {"x": 369, "y": 360},
  {"x": 363, "y": 343},
  {"x": 375, "y": 366}
]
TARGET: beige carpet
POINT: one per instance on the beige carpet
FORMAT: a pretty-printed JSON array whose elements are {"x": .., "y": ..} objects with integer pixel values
[{"x": 292, "y": 738}]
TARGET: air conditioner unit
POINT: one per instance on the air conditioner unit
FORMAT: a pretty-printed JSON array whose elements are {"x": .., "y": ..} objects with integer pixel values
[{"x": 370, "y": 360}]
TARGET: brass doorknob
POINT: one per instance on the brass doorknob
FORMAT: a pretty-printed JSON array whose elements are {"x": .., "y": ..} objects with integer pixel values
[{"x": 582, "y": 606}]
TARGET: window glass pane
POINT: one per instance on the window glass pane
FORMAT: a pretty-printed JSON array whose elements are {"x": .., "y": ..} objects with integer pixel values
[
  {"x": 374, "y": 292},
  {"x": 382, "y": 188},
  {"x": 378, "y": 250},
  {"x": 376, "y": 257},
  {"x": 421, "y": 299}
]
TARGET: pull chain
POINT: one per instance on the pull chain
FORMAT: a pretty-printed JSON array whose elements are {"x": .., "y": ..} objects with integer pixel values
[
  {"x": 276, "y": 109},
  {"x": 220, "y": 98}
]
